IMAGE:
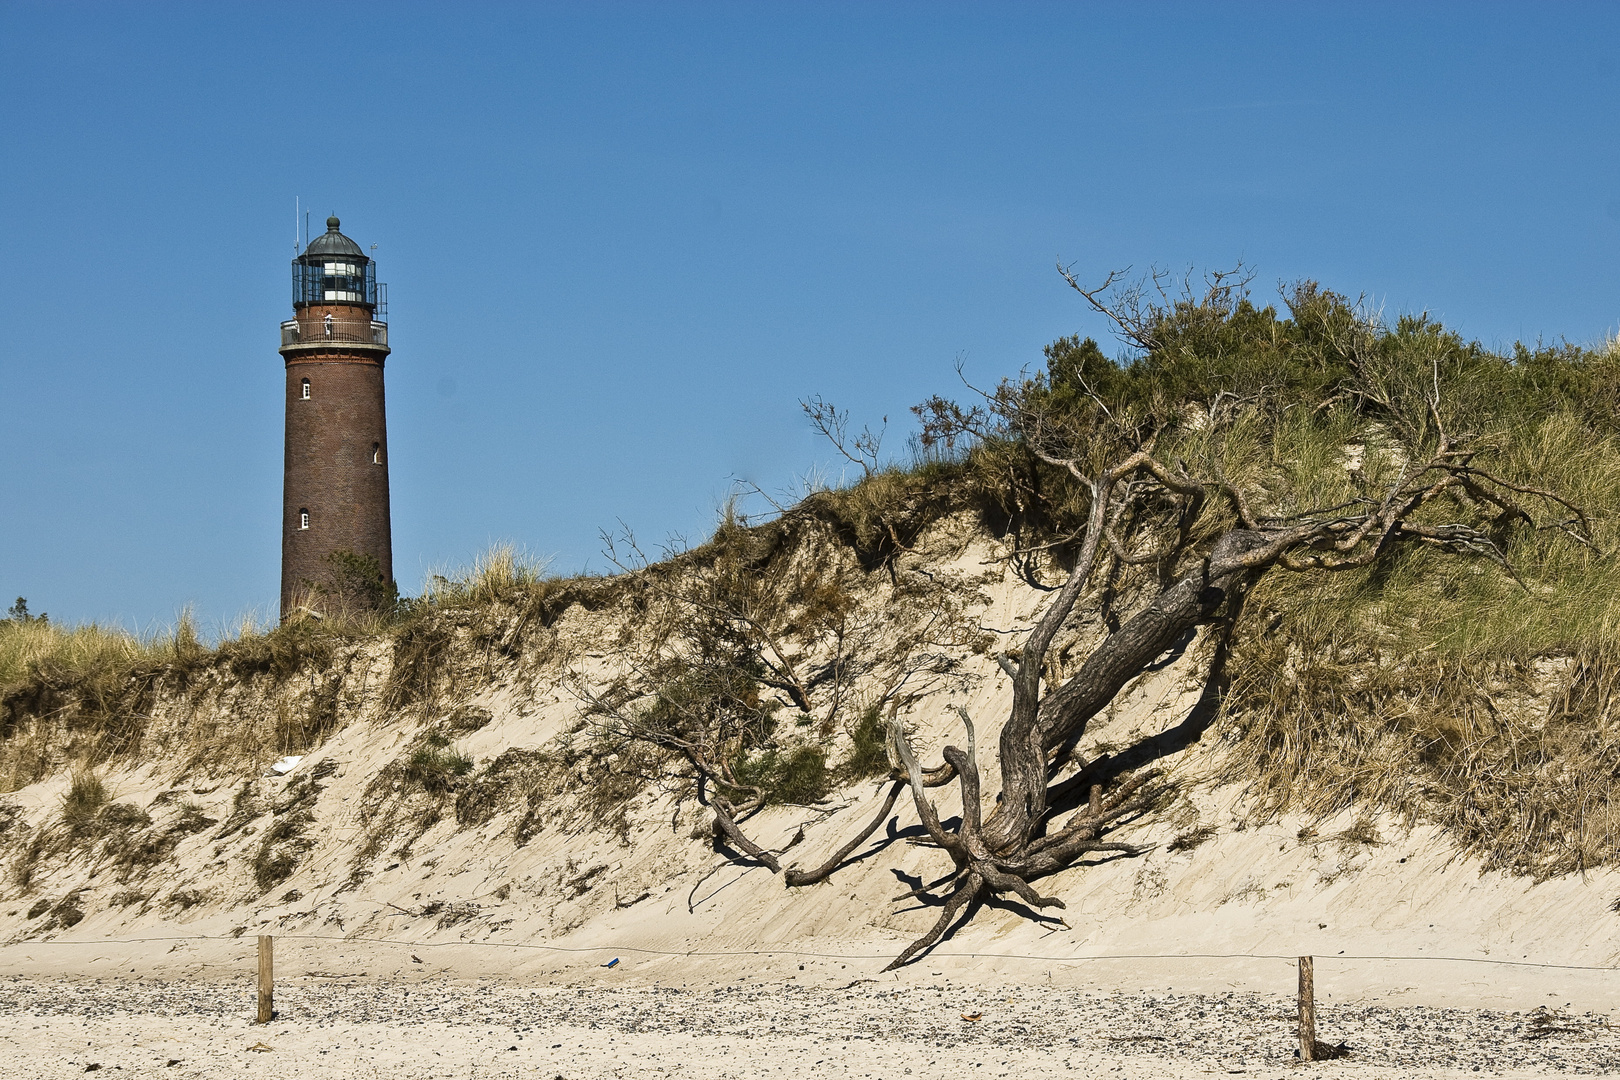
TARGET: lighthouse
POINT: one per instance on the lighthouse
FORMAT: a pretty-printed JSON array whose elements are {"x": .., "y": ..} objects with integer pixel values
[{"x": 335, "y": 523}]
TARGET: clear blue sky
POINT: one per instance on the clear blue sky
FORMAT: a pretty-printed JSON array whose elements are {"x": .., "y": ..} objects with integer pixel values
[{"x": 622, "y": 241}]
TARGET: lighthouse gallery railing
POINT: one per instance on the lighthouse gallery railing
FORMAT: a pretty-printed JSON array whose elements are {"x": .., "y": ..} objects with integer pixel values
[{"x": 335, "y": 331}]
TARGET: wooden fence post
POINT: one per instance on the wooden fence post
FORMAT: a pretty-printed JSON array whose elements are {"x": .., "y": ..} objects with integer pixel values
[
  {"x": 267, "y": 978},
  {"x": 1307, "y": 1010}
]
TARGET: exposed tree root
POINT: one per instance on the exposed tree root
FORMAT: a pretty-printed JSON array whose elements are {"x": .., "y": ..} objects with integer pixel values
[
  {"x": 795, "y": 876},
  {"x": 965, "y": 894}
]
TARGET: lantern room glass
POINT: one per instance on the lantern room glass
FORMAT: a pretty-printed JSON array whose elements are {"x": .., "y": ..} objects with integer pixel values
[{"x": 326, "y": 279}]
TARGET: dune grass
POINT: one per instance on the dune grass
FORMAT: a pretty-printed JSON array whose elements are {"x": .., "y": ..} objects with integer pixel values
[
  {"x": 500, "y": 574},
  {"x": 84, "y": 694},
  {"x": 28, "y": 649}
]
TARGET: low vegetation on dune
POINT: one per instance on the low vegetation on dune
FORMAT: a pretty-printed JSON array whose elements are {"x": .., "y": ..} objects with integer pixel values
[{"x": 1392, "y": 550}]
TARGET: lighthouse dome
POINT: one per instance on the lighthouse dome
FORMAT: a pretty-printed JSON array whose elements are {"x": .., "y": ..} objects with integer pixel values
[{"x": 333, "y": 242}]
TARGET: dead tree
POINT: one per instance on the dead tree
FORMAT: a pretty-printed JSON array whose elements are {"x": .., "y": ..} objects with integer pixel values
[
  {"x": 1020, "y": 842},
  {"x": 1440, "y": 498}
]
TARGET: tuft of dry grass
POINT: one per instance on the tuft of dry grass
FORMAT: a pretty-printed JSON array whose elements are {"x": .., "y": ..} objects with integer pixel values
[
  {"x": 436, "y": 766},
  {"x": 83, "y": 802},
  {"x": 499, "y": 575}
]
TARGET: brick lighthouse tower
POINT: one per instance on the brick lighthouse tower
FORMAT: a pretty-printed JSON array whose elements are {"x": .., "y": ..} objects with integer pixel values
[{"x": 335, "y": 487}]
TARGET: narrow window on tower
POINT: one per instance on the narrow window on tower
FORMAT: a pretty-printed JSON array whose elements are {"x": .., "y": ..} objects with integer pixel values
[
  {"x": 303, "y": 519},
  {"x": 306, "y": 389},
  {"x": 376, "y": 453}
]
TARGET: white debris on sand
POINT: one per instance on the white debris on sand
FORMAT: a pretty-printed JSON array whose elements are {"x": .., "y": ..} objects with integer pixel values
[{"x": 59, "y": 1029}]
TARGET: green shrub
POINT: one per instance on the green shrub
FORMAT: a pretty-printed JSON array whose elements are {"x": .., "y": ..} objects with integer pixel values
[
  {"x": 19, "y": 613},
  {"x": 869, "y": 752},
  {"x": 355, "y": 584},
  {"x": 1426, "y": 685},
  {"x": 799, "y": 775}
]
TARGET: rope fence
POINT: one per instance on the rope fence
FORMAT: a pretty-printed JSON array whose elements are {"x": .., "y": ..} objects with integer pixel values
[{"x": 703, "y": 953}]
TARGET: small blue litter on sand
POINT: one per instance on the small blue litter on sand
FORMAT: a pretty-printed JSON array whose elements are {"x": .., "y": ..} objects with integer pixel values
[{"x": 611, "y": 962}]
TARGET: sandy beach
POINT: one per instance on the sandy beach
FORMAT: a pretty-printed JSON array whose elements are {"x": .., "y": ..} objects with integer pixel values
[{"x": 867, "y": 1029}]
